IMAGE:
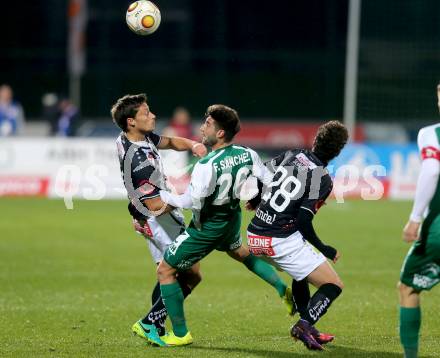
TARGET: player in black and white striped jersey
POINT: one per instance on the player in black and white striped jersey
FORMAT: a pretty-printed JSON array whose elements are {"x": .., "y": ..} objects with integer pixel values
[
  {"x": 143, "y": 174},
  {"x": 282, "y": 228}
]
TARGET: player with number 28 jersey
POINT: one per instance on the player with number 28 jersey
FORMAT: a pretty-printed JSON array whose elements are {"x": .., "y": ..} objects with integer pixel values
[
  {"x": 300, "y": 182},
  {"x": 282, "y": 229}
]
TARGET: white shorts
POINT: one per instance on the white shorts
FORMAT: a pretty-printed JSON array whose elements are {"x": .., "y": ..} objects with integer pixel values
[
  {"x": 291, "y": 254},
  {"x": 160, "y": 232}
]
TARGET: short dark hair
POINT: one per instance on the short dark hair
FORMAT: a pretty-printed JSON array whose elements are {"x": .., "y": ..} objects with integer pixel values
[
  {"x": 226, "y": 118},
  {"x": 329, "y": 140},
  {"x": 127, "y": 107}
]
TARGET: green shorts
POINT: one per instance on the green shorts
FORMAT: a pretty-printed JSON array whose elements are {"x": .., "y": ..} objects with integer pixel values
[
  {"x": 193, "y": 245},
  {"x": 421, "y": 268}
]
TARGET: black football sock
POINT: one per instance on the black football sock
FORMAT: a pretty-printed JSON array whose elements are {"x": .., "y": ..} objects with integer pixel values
[
  {"x": 321, "y": 301},
  {"x": 158, "y": 313},
  {"x": 301, "y": 296},
  {"x": 155, "y": 294}
]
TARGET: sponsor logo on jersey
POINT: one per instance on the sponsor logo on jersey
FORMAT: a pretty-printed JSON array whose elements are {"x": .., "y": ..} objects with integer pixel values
[
  {"x": 265, "y": 216},
  {"x": 302, "y": 161},
  {"x": 260, "y": 245}
]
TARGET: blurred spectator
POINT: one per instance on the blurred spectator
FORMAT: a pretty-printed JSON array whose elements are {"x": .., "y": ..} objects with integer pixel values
[
  {"x": 11, "y": 113},
  {"x": 68, "y": 118},
  {"x": 176, "y": 163},
  {"x": 51, "y": 111},
  {"x": 180, "y": 124}
]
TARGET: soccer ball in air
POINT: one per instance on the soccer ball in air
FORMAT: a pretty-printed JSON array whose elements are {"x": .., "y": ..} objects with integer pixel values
[{"x": 143, "y": 17}]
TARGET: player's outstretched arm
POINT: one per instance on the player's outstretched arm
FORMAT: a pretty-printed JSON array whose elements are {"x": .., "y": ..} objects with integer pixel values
[
  {"x": 183, "y": 201},
  {"x": 305, "y": 227},
  {"x": 181, "y": 144}
]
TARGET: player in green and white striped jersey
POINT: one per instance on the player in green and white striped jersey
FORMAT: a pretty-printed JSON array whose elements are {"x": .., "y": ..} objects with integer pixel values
[
  {"x": 214, "y": 196},
  {"x": 421, "y": 268}
]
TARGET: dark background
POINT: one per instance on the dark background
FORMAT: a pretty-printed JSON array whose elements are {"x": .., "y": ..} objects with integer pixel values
[{"x": 277, "y": 59}]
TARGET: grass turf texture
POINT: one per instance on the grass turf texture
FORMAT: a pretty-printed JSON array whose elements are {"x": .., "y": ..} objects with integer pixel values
[{"x": 74, "y": 281}]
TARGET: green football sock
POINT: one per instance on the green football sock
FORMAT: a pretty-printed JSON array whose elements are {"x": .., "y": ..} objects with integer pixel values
[
  {"x": 266, "y": 272},
  {"x": 410, "y": 319},
  {"x": 173, "y": 299}
]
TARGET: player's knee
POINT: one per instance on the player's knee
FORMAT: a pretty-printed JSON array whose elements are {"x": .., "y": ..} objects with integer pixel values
[
  {"x": 160, "y": 271},
  {"x": 165, "y": 272},
  {"x": 339, "y": 283},
  {"x": 404, "y": 290}
]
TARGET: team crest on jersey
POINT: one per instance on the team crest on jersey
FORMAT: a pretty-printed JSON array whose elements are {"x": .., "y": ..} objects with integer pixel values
[
  {"x": 430, "y": 152},
  {"x": 150, "y": 155},
  {"x": 146, "y": 187}
]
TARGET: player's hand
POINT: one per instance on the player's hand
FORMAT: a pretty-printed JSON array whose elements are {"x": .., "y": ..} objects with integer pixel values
[
  {"x": 411, "y": 231},
  {"x": 337, "y": 256},
  {"x": 199, "y": 150}
]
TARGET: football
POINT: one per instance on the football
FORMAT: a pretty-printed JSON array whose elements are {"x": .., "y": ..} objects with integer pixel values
[{"x": 143, "y": 17}]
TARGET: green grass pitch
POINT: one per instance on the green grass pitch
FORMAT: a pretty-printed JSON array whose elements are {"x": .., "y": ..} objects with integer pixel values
[{"x": 72, "y": 282}]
